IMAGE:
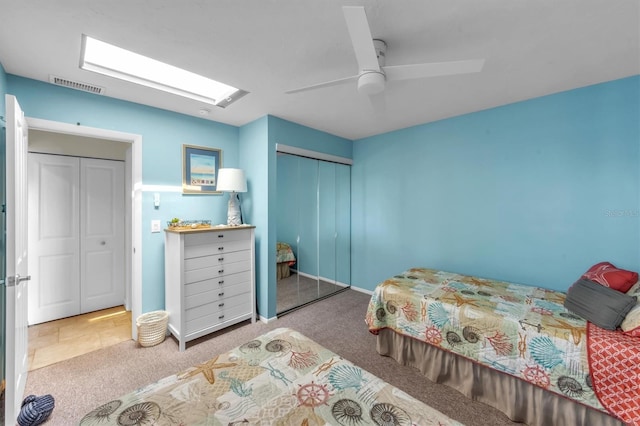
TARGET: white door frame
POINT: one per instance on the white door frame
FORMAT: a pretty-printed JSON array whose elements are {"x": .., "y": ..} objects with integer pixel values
[{"x": 133, "y": 204}]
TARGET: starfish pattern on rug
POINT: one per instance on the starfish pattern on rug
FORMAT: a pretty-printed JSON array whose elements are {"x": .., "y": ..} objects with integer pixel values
[{"x": 207, "y": 369}]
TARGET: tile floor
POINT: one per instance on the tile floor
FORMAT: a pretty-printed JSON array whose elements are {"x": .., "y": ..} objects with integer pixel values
[{"x": 55, "y": 341}]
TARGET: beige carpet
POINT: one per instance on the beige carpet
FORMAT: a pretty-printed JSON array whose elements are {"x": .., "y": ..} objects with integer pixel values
[{"x": 85, "y": 382}]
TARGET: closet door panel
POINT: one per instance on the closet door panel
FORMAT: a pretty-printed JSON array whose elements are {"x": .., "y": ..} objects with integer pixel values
[
  {"x": 102, "y": 234},
  {"x": 54, "y": 247},
  {"x": 327, "y": 221},
  {"x": 343, "y": 225},
  {"x": 307, "y": 203},
  {"x": 287, "y": 217}
]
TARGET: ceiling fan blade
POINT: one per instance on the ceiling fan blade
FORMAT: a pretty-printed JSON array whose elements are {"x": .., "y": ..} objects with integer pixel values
[
  {"x": 321, "y": 85},
  {"x": 361, "y": 39},
  {"x": 378, "y": 104},
  {"x": 434, "y": 69}
]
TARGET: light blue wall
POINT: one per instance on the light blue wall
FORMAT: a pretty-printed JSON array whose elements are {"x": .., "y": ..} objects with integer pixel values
[
  {"x": 163, "y": 134},
  {"x": 255, "y": 154},
  {"x": 534, "y": 192}
]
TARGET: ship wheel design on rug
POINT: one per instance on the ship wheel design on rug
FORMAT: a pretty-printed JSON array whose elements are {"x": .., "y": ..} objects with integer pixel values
[{"x": 312, "y": 395}]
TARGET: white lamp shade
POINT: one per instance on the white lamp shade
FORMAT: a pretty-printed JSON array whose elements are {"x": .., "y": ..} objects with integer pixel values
[{"x": 231, "y": 180}]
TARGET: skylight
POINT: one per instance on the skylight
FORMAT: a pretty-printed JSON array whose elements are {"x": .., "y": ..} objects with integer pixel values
[{"x": 107, "y": 59}]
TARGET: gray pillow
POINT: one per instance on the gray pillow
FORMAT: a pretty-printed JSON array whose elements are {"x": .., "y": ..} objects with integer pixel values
[{"x": 598, "y": 304}]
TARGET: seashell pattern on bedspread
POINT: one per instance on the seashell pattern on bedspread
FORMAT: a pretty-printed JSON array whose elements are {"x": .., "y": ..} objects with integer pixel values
[
  {"x": 519, "y": 330},
  {"x": 279, "y": 378}
]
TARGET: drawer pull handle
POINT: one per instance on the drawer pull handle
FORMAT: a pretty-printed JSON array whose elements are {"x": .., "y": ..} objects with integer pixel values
[
  {"x": 221, "y": 282},
  {"x": 220, "y": 305},
  {"x": 220, "y": 248},
  {"x": 221, "y": 271},
  {"x": 220, "y": 259},
  {"x": 221, "y": 294},
  {"x": 220, "y": 235},
  {"x": 221, "y": 316}
]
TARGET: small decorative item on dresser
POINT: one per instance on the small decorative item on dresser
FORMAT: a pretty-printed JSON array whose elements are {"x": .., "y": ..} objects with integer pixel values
[
  {"x": 176, "y": 223},
  {"x": 152, "y": 328}
]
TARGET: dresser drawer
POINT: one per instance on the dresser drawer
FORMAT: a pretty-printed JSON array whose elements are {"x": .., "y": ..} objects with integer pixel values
[
  {"x": 219, "y": 283},
  {"x": 207, "y": 316},
  {"x": 216, "y": 271},
  {"x": 216, "y": 260},
  {"x": 213, "y": 249},
  {"x": 196, "y": 294}
]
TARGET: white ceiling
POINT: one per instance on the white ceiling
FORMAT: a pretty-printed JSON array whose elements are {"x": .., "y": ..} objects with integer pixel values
[{"x": 532, "y": 48}]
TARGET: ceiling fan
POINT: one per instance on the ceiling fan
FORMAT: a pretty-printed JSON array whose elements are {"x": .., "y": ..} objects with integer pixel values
[{"x": 370, "y": 54}]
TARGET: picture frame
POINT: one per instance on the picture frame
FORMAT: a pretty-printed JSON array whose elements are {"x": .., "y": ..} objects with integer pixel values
[{"x": 200, "y": 166}]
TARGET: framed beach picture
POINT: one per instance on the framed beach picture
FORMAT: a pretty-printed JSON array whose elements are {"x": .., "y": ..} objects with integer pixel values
[{"x": 200, "y": 167}]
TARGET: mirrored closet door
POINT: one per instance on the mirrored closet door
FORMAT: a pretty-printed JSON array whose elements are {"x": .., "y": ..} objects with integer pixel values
[{"x": 313, "y": 229}]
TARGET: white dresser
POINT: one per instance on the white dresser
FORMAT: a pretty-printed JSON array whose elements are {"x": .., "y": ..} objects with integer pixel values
[{"x": 209, "y": 279}]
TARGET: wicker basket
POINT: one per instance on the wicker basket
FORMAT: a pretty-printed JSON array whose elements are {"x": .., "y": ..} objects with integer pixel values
[{"x": 152, "y": 328}]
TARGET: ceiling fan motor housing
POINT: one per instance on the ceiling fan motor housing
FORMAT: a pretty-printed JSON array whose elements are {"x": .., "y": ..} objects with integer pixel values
[
  {"x": 371, "y": 82},
  {"x": 381, "y": 51}
]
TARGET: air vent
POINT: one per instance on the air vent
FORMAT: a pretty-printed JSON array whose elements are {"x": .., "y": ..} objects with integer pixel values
[{"x": 76, "y": 85}]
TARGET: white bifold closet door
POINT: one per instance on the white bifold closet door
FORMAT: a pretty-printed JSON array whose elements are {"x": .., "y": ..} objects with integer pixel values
[{"x": 76, "y": 235}]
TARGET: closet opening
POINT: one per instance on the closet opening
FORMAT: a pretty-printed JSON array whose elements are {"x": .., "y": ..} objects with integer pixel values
[{"x": 313, "y": 227}]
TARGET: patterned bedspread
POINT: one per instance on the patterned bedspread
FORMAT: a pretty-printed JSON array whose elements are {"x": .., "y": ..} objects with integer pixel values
[
  {"x": 285, "y": 254},
  {"x": 520, "y": 330},
  {"x": 280, "y": 378}
]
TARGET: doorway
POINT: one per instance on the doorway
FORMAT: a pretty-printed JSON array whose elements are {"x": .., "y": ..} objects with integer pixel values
[
  {"x": 76, "y": 246},
  {"x": 133, "y": 200}
]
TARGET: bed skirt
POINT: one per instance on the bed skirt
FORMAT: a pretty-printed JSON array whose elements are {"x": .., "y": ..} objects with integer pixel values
[
  {"x": 527, "y": 403},
  {"x": 283, "y": 270}
]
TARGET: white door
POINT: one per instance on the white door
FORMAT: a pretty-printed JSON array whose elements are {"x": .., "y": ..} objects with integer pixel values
[
  {"x": 54, "y": 237},
  {"x": 101, "y": 234},
  {"x": 77, "y": 238},
  {"x": 17, "y": 362}
]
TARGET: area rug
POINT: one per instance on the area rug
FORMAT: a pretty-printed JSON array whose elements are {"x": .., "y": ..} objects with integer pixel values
[{"x": 280, "y": 378}]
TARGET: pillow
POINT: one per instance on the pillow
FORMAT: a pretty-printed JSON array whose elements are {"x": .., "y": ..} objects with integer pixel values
[
  {"x": 609, "y": 276},
  {"x": 635, "y": 290},
  {"x": 631, "y": 324},
  {"x": 604, "y": 307}
]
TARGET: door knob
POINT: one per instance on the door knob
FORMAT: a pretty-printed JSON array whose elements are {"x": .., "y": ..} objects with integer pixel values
[{"x": 13, "y": 281}]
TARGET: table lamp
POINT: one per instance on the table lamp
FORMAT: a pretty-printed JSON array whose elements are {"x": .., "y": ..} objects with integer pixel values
[{"x": 233, "y": 182}]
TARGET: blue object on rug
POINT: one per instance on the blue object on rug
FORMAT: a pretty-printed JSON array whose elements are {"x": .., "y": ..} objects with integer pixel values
[{"x": 35, "y": 410}]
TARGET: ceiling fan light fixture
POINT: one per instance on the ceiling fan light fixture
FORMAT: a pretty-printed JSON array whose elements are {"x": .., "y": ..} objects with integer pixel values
[{"x": 371, "y": 83}]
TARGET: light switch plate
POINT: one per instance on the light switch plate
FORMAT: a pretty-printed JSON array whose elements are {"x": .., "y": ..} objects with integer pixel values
[{"x": 155, "y": 226}]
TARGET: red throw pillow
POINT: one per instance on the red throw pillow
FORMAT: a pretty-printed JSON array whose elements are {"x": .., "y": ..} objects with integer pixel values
[{"x": 609, "y": 276}]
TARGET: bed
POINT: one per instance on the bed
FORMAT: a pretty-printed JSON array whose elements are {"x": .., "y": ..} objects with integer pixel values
[
  {"x": 511, "y": 346},
  {"x": 280, "y": 378},
  {"x": 284, "y": 260}
]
